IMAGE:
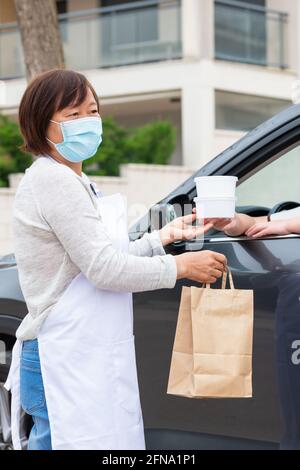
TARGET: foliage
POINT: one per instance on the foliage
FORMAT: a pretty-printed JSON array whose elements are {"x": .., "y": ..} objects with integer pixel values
[
  {"x": 152, "y": 143},
  {"x": 12, "y": 159}
]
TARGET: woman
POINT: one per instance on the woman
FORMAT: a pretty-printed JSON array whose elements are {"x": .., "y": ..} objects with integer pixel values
[{"x": 76, "y": 375}]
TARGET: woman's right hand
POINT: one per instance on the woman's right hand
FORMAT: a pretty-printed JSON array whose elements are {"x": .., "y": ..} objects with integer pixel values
[{"x": 201, "y": 266}]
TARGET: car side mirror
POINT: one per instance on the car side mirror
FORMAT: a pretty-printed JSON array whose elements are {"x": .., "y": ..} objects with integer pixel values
[{"x": 160, "y": 215}]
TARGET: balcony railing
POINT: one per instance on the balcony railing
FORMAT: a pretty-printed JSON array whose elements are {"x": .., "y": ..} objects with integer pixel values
[
  {"x": 250, "y": 34},
  {"x": 131, "y": 33}
]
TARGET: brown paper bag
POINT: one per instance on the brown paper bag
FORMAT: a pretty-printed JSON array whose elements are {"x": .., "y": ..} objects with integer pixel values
[{"x": 212, "y": 352}]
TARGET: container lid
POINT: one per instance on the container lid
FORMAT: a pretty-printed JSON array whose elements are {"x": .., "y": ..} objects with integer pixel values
[
  {"x": 216, "y": 176},
  {"x": 215, "y": 198}
]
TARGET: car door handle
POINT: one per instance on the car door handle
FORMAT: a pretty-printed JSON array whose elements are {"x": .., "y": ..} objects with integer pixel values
[
  {"x": 183, "y": 245},
  {"x": 243, "y": 239}
]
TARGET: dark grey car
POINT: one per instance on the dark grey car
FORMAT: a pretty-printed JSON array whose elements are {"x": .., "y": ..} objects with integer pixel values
[{"x": 267, "y": 163}]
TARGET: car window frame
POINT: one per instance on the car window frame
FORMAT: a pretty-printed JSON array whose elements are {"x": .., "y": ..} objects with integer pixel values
[
  {"x": 273, "y": 138},
  {"x": 215, "y": 238}
]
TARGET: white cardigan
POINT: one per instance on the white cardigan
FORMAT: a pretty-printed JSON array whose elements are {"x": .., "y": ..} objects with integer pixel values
[{"x": 57, "y": 233}]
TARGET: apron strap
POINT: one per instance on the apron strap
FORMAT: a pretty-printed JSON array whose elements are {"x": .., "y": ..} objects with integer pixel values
[{"x": 13, "y": 384}]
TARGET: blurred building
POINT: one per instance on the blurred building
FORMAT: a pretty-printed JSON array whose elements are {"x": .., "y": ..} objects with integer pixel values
[{"x": 215, "y": 68}]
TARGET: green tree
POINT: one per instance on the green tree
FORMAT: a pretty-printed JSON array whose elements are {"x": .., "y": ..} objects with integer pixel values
[
  {"x": 152, "y": 143},
  {"x": 12, "y": 159},
  {"x": 110, "y": 153}
]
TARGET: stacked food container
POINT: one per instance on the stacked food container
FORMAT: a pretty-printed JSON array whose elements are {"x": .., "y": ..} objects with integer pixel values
[{"x": 215, "y": 196}]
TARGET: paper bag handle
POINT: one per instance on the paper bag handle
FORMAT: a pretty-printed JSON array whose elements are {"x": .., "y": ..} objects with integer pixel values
[{"x": 224, "y": 280}]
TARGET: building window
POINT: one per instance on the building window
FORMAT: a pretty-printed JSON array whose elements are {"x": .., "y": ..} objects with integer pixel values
[
  {"x": 109, "y": 3},
  {"x": 249, "y": 32},
  {"x": 129, "y": 26},
  {"x": 260, "y": 3},
  {"x": 61, "y": 6},
  {"x": 244, "y": 112}
]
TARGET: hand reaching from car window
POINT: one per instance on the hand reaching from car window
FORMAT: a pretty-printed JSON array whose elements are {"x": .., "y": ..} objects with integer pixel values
[
  {"x": 254, "y": 227},
  {"x": 275, "y": 227},
  {"x": 234, "y": 227}
]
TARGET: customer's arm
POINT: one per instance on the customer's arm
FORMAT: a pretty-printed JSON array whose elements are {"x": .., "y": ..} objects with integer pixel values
[
  {"x": 281, "y": 223},
  {"x": 285, "y": 223},
  {"x": 288, "y": 214},
  {"x": 236, "y": 226}
]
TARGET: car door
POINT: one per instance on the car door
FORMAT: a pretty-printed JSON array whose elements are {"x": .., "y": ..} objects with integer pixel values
[{"x": 269, "y": 173}]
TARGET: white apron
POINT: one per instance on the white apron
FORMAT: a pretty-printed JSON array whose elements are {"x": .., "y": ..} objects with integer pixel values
[{"x": 87, "y": 356}]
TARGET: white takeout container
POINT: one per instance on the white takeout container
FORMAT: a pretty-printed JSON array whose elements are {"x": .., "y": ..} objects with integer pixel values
[
  {"x": 216, "y": 186},
  {"x": 215, "y": 207}
]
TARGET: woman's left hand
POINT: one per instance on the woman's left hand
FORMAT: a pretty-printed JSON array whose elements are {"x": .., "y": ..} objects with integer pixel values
[
  {"x": 263, "y": 229},
  {"x": 181, "y": 229}
]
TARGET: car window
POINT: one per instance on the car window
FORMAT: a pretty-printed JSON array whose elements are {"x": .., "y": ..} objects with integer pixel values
[{"x": 276, "y": 182}]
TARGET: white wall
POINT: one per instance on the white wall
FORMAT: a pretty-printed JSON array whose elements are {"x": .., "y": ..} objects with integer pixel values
[
  {"x": 6, "y": 201},
  {"x": 293, "y": 47},
  {"x": 224, "y": 139}
]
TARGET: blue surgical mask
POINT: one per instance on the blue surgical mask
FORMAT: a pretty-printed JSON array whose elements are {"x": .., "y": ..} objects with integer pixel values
[{"x": 81, "y": 138}]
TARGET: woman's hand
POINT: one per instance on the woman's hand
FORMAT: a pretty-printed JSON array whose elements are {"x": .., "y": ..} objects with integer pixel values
[
  {"x": 181, "y": 229},
  {"x": 263, "y": 229},
  {"x": 201, "y": 266}
]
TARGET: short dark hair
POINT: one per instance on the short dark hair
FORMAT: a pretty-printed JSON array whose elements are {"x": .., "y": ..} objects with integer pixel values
[{"x": 47, "y": 93}]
